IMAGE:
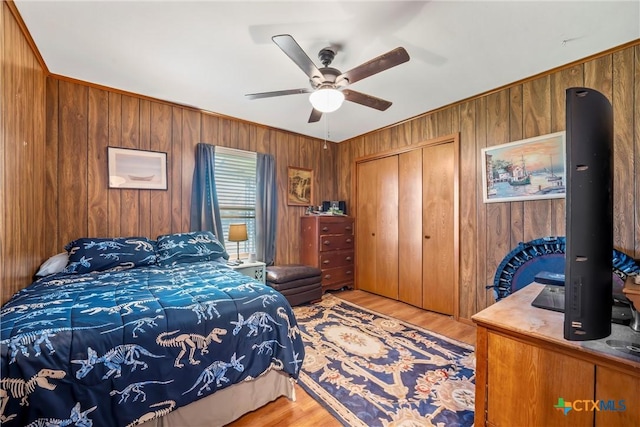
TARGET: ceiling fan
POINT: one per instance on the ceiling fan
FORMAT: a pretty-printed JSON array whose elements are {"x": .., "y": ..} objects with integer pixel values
[{"x": 328, "y": 85}]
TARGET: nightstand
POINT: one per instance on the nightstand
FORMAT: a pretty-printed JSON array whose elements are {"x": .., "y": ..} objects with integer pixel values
[{"x": 254, "y": 270}]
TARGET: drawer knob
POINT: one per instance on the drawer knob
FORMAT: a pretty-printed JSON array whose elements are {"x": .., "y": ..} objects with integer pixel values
[
  {"x": 325, "y": 228},
  {"x": 327, "y": 242},
  {"x": 348, "y": 227},
  {"x": 348, "y": 240},
  {"x": 348, "y": 258},
  {"x": 348, "y": 271},
  {"x": 327, "y": 276},
  {"x": 326, "y": 261},
  {"x": 427, "y": 237}
]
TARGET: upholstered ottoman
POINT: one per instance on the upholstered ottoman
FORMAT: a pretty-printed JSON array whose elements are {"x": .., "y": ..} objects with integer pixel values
[{"x": 299, "y": 284}]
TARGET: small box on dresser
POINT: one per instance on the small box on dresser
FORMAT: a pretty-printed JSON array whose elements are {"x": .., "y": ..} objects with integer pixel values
[{"x": 327, "y": 242}]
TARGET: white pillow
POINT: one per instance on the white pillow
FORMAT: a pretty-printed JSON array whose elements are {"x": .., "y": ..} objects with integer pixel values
[{"x": 55, "y": 264}]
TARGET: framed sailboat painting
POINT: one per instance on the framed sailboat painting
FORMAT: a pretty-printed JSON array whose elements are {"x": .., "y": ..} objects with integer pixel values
[
  {"x": 529, "y": 169},
  {"x": 130, "y": 168}
]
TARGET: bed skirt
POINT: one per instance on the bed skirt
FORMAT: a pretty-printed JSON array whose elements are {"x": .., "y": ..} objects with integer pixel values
[{"x": 229, "y": 404}]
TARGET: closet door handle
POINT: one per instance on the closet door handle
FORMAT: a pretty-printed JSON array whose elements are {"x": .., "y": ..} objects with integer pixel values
[
  {"x": 373, "y": 234},
  {"x": 427, "y": 236}
]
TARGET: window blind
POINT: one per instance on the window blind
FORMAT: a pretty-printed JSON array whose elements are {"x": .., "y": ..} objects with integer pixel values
[{"x": 236, "y": 187}]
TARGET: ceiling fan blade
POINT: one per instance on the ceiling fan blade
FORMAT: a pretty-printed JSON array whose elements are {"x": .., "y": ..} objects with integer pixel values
[
  {"x": 293, "y": 50},
  {"x": 366, "y": 100},
  {"x": 277, "y": 93},
  {"x": 383, "y": 62},
  {"x": 315, "y": 116}
]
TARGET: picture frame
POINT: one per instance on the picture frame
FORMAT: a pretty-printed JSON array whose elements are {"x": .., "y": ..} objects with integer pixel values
[
  {"x": 529, "y": 169},
  {"x": 138, "y": 169},
  {"x": 299, "y": 186}
]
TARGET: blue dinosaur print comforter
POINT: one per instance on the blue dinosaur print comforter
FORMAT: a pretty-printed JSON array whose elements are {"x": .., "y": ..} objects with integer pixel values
[{"x": 116, "y": 348}]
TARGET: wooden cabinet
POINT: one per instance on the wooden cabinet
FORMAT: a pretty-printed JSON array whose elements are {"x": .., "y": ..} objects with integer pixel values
[
  {"x": 327, "y": 242},
  {"x": 524, "y": 366},
  {"x": 406, "y": 209}
]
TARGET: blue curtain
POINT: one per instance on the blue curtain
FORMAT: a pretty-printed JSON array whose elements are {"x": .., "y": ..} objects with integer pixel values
[
  {"x": 266, "y": 208},
  {"x": 205, "y": 211}
]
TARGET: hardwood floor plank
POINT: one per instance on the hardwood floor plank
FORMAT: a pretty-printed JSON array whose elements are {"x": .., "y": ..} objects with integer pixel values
[{"x": 305, "y": 411}]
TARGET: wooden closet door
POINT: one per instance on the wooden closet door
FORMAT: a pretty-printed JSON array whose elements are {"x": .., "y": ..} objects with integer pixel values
[
  {"x": 410, "y": 227},
  {"x": 377, "y": 227},
  {"x": 438, "y": 228}
]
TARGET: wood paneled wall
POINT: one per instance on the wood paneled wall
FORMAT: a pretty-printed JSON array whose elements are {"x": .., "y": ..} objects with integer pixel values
[
  {"x": 526, "y": 109},
  {"x": 22, "y": 157},
  {"x": 82, "y": 120},
  {"x": 54, "y": 162}
]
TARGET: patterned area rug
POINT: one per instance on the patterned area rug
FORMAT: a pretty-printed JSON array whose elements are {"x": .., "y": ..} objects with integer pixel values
[{"x": 368, "y": 369}]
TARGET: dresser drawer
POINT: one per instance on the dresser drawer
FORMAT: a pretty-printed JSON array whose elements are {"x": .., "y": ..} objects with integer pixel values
[
  {"x": 334, "y": 243},
  {"x": 335, "y": 259},
  {"x": 337, "y": 275},
  {"x": 333, "y": 227}
]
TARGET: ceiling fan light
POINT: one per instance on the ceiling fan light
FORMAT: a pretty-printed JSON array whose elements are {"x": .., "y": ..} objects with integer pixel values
[{"x": 326, "y": 100}]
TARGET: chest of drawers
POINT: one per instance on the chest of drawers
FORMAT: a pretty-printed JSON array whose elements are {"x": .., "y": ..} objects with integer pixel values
[{"x": 327, "y": 242}]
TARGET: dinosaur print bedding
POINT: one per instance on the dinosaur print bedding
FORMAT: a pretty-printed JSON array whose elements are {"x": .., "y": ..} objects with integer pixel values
[{"x": 117, "y": 348}]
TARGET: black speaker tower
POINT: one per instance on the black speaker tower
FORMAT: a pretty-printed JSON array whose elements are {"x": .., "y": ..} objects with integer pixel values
[{"x": 589, "y": 215}]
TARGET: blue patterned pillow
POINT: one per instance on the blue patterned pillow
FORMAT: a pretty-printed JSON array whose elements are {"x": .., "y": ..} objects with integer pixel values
[
  {"x": 99, "y": 254},
  {"x": 189, "y": 247}
]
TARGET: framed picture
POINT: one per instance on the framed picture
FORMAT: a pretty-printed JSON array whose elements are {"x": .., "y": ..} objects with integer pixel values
[
  {"x": 529, "y": 169},
  {"x": 300, "y": 186},
  {"x": 129, "y": 168}
]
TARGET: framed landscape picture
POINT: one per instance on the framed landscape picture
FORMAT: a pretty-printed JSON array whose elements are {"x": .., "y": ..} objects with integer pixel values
[
  {"x": 529, "y": 169},
  {"x": 300, "y": 186},
  {"x": 129, "y": 168}
]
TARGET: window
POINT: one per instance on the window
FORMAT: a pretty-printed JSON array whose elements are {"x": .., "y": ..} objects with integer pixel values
[{"x": 236, "y": 186}]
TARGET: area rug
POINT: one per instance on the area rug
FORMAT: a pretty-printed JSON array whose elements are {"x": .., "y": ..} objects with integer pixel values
[{"x": 368, "y": 369}]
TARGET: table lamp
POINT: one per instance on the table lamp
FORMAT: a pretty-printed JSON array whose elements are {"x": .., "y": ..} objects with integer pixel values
[{"x": 238, "y": 233}]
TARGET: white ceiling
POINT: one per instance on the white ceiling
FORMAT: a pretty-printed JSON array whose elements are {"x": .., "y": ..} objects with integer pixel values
[{"x": 209, "y": 54}]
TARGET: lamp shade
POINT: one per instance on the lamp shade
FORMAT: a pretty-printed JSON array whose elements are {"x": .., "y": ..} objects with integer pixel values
[
  {"x": 326, "y": 99},
  {"x": 237, "y": 232}
]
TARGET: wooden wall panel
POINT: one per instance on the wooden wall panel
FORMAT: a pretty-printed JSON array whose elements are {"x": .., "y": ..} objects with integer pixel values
[
  {"x": 129, "y": 138},
  {"x": 144, "y": 212},
  {"x": 623, "y": 182},
  {"x": 72, "y": 163},
  {"x": 516, "y": 133},
  {"x": 97, "y": 172},
  {"x": 498, "y": 215},
  {"x": 636, "y": 149},
  {"x": 24, "y": 169},
  {"x": 468, "y": 220},
  {"x": 536, "y": 98},
  {"x": 484, "y": 297},
  {"x": 175, "y": 168},
  {"x": 114, "y": 195}
]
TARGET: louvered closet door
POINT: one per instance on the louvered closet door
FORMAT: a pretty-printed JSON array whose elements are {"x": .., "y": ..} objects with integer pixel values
[
  {"x": 438, "y": 228},
  {"x": 377, "y": 227}
]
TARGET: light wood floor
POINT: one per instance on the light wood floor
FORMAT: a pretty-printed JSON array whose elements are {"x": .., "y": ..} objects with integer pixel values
[{"x": 307, "y": 412}]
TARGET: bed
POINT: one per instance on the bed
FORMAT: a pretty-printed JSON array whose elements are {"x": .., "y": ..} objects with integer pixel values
[{"x": 141, "y": 332}]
